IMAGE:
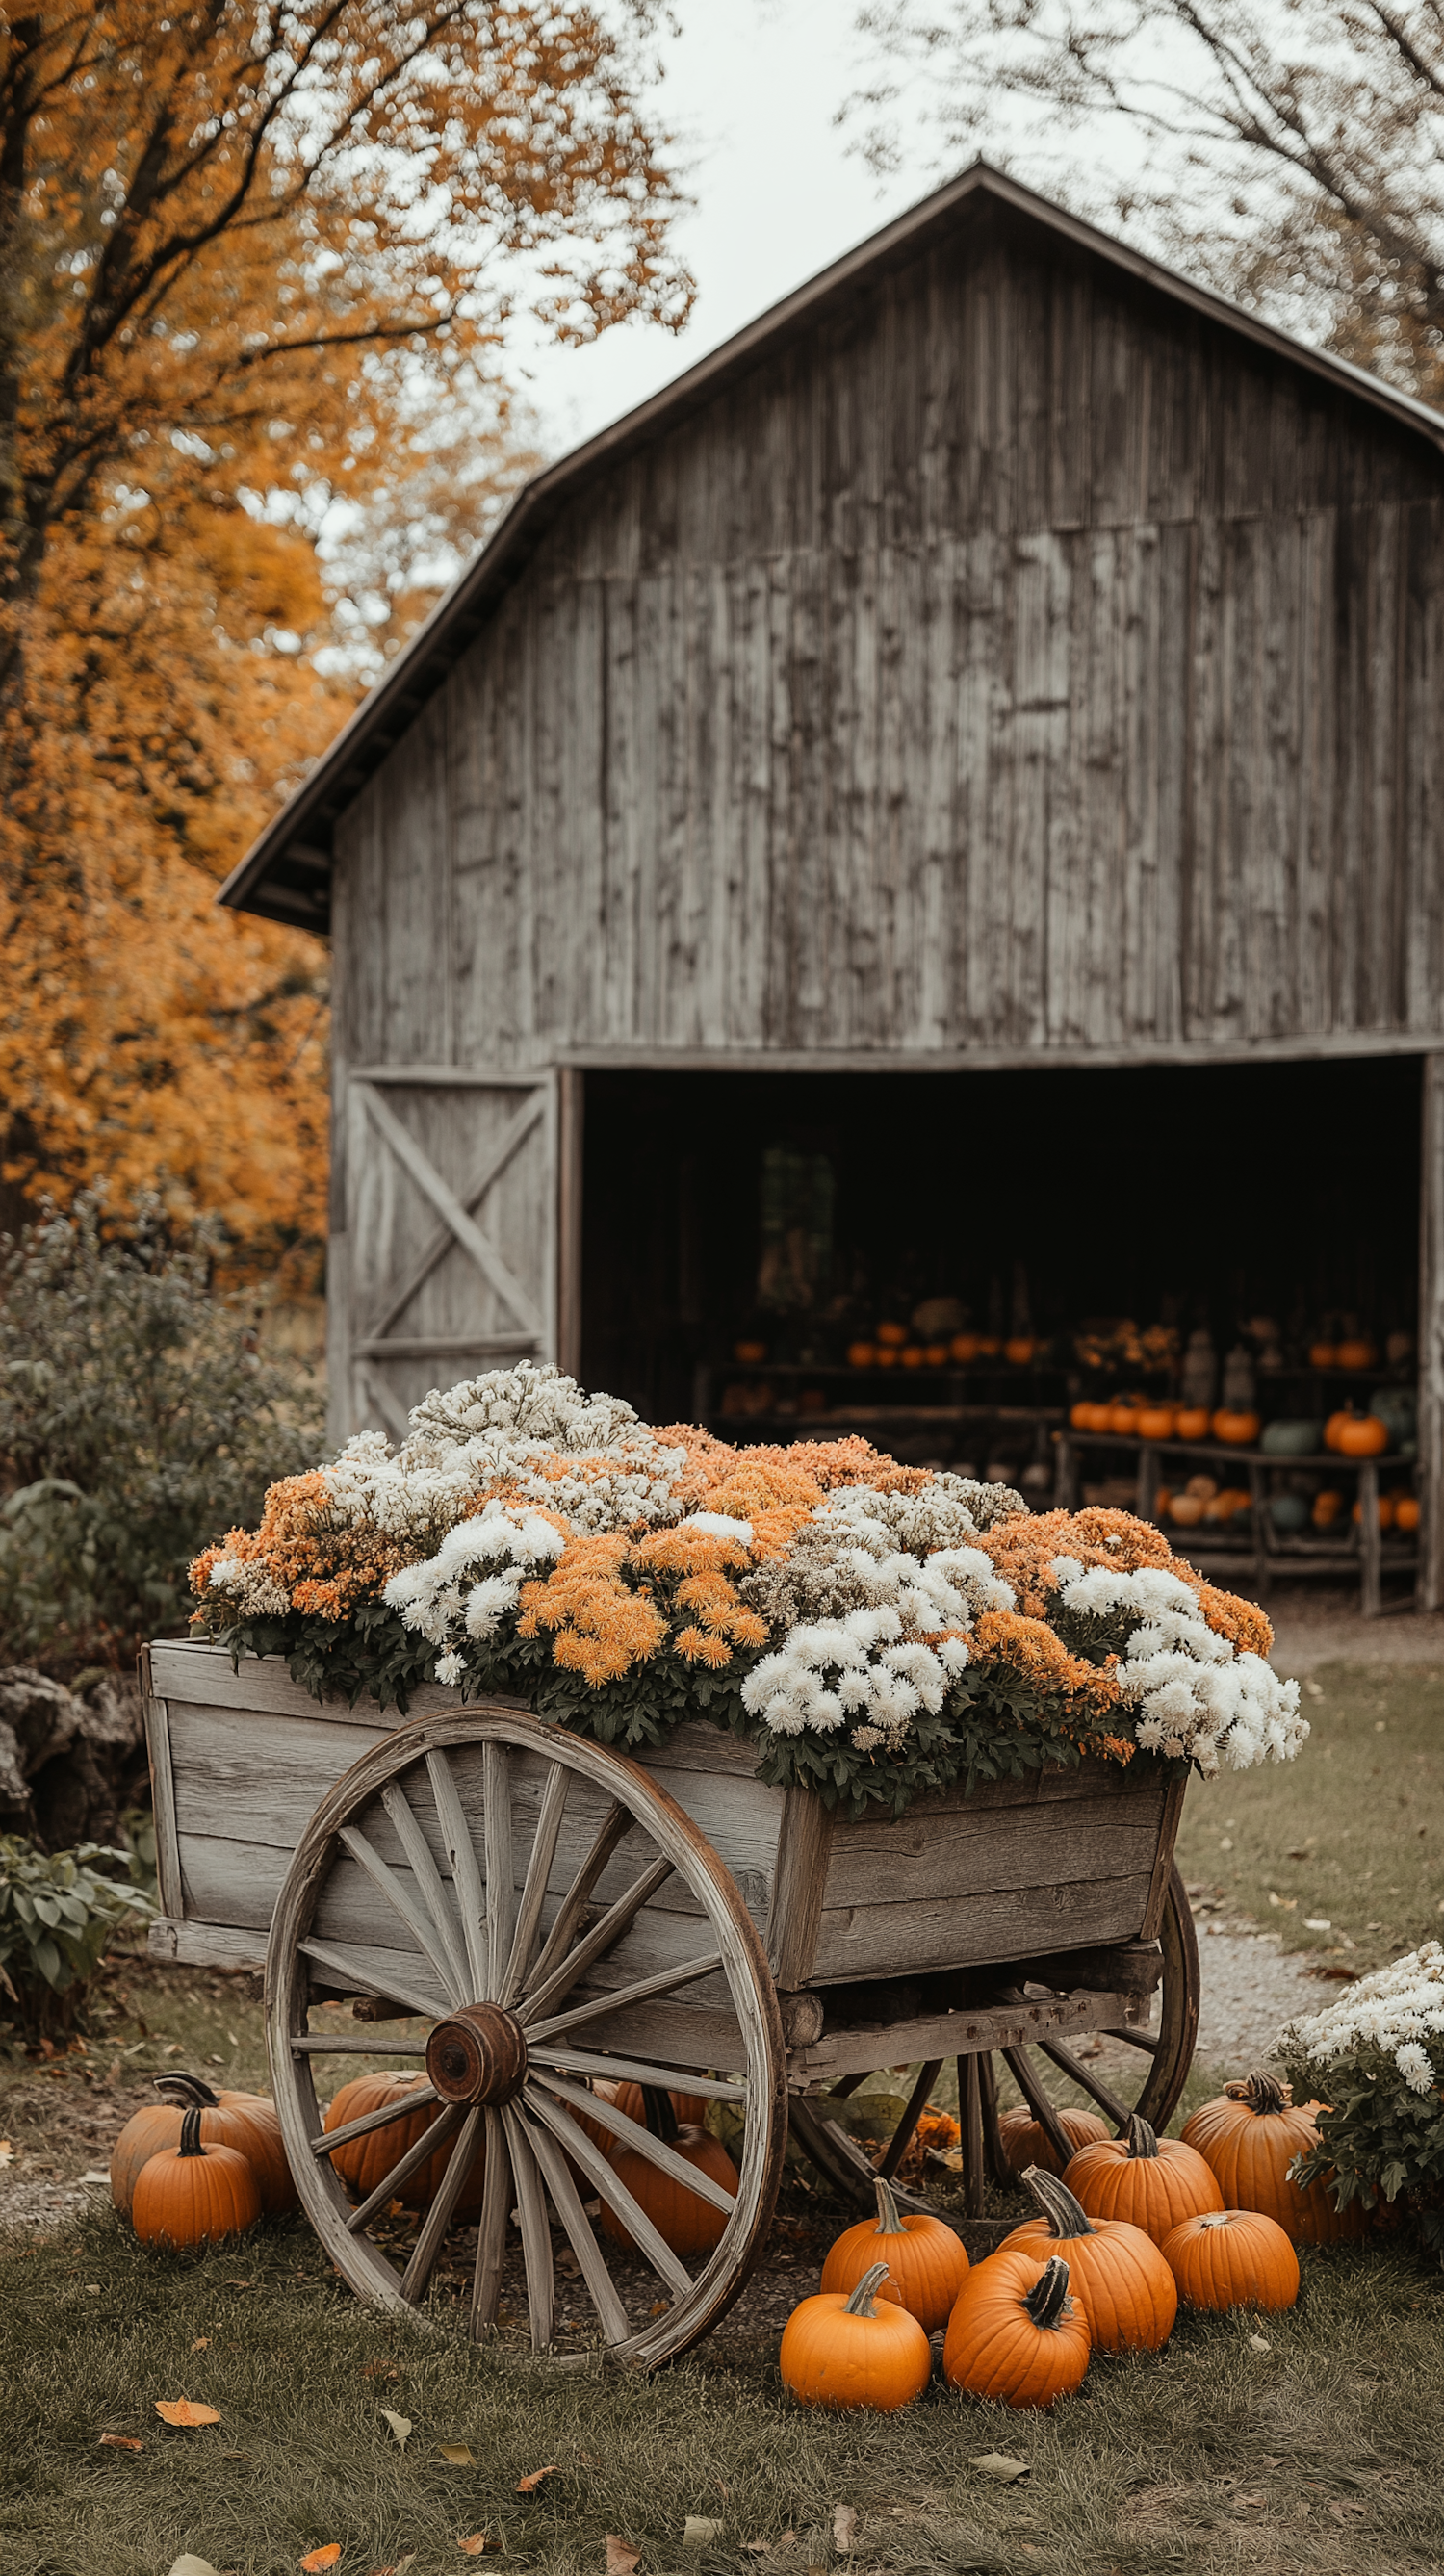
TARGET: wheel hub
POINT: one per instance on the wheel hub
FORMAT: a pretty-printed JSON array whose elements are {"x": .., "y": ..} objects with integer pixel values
[{"x": 477, "y": 2054}]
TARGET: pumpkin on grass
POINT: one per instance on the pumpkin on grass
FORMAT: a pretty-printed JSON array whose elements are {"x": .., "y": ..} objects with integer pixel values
[
  {"x": 1015, "y": 2333},
  {"x": 686, "y": 2222},
  {"x": 192, "y": 2194},
  {"x": 1232, "y": 2258},
  {"x": 853, "y": 2350},
  {"x": 1026, "y": 2142},
  {"x": 926, "y": 2263},
  {"x": 246, "y": 2121},
  {"x": 363, "y": 2163},
  {"x": 1153, "y": 2182},
  {"x": 1250, "y": 2134},
  {"x": 1120, "y": 2279}
]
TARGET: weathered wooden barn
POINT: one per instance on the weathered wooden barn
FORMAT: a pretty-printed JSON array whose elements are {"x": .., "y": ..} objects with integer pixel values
[{"x": 943, "y": 799}]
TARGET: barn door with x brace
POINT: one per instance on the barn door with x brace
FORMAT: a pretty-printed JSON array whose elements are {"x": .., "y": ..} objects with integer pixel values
[{"x": 447, "y": 1263}]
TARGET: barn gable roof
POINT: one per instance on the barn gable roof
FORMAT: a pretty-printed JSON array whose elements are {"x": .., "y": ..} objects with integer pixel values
[{"x": 285, "y": 876}]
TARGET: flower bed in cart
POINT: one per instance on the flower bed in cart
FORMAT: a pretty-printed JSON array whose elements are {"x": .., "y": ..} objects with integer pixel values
[{"x": 877, "y": 1631}]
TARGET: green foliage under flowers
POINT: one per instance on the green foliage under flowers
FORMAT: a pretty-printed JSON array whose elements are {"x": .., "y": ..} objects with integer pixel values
[
  {"x": 136, "y": 1418},
  {"x": 1379, "y": 2141},
  {"x": 993, "y": 1726},
  {"x": 58, "y": 1913}
]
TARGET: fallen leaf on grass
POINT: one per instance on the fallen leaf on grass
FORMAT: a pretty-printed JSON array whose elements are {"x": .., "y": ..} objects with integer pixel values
[
  {"x": 1340, "y": 2507},
  {"x": 189, "y": 2565},
  {"x": 527, "y": 2485},
  {"x": 844, "y": 2528},
  {"x": 1000, "y": 2464},
  {"x": 1259, "y": 2343},
  {"x": 325, "y": 2556},
  {"x": 95, "y": 2177},
  {"x": 400, "y": 2426},
  {"x": 396, "y": 2566},
  {"x": 7, "y": 2152},
  {"x": 473, "y": 2544},
  {"x": 201, "y": 2344},
  {"x": 122, "y": 2442},
  {"x": 184, "y": 2411},
  {"x": 699, "y": 2531},
  {"x": 621, "y": 2556},
  {"x": 457, "y": 2453}
]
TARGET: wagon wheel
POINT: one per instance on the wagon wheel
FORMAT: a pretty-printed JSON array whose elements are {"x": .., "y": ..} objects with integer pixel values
[
  {"x": 1151, "y": 2083},
  {"x": 549, "y": 1914}
]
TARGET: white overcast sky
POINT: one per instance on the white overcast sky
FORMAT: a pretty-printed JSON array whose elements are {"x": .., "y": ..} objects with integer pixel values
[{"x": 752, "y": 89}]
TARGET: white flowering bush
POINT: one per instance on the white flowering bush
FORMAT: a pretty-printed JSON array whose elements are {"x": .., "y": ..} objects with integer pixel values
[
  {"x": 877, "y": 1630},
  {"x": 1378, "y": 2055}
]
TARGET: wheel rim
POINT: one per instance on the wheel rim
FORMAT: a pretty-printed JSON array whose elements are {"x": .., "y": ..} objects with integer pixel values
[
  {"x": 1148, "y": 2080},
  {"x": 542, "y": 1912}
]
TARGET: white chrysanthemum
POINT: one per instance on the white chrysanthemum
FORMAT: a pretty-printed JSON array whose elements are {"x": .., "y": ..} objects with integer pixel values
[
  {"x": 1396, "y": 2010},
  {"x": 717, "y": 1525},
  {"x": 1192, "y": 1692},
  {"x": 451, "y": 1668}
]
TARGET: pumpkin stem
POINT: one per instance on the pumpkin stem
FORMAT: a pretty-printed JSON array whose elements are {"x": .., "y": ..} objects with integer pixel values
[
  {"x": 1142, "y": 2140},
  {"x": 187, "y": 2092},
  {"x": 889, "y": 2216},
  {"x": 859, "y": 2301},
  {"x": 1047, "y": 2301},
  {"x": 190, "y": 2136},
  {"x": 1261, "y": 2093},
  {"x": 659, "y": 2113},
  {"x": 1065, "y": 2215}
]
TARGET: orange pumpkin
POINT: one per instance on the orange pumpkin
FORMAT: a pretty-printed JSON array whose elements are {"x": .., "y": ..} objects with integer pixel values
[
  {"x": 892, "y": 1336},
  {"x": 1232, "y": 2258},
  {"x": 363, "y": 2163},
  {"x": 1020, "y": 1351},
  {"x": 926, "y": 2263},
  {"x": 1125, "y": 2288},
  {"x": 1238, "y": 1430},
  {"x": 887, "y": 1356},
  {"x": 912, "y": 1357},
  {"x": 1406, "y": 1512},
  {"x": 936, "y": 1354},
  {"x": 1015, "y": 2333},
  {"x": 1123, "y": 1416},
  {"x": 191, "y": 2194},
  {"x": 689, "y": 2224},
  {"x": 1250, "y": 2134},
  {"x": 1326, "y": 1508},
  {"x": 1362, "y": 1435},
  {"x": 861, "y": 1354},
  {"x": 1356, "y": 1354},
  {"x": 849, "y": 2350},
  {"x": 1191, "y": 1422},
  {"x": 688, "y": 2107},
  {"x": 963, "y": 1348},
  {"x": 246, "y": 2121},
  {"x": 1092, "y": 1417},
  {"x": 1384, "y": 1516},
  {"x": 1322, "y": 1355},
  {"x": 1153, "y": 2182},
  {"x": 1025, "y": 2143},
  {"x": 1186, "y": 1510},
  {"x": 1156, "y": 1422},
  {"x": 751, "y": 1354},
  {"x": 989, "y": 1346}
]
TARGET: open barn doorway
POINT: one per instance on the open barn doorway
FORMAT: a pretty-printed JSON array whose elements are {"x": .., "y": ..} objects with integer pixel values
[{"x": 948, "y": 1262}]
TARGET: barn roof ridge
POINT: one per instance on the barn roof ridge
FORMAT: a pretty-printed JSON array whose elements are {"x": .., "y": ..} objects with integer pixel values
[{"x": 285, "y": 874}]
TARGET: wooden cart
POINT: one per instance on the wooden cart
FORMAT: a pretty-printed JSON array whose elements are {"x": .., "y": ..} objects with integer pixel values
[{"x": 517, "y": 1910}]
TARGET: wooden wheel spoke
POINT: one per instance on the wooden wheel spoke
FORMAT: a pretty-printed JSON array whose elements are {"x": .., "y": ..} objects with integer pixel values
[
  {"x": 617, "y": 1919},
  {"x": 440, "y": 1901},
  {"x": 405, "y": 1906},
  {"x": 902, "y": 2136},
  {"x": 1136, "y": 2039},
  {"x": 420, "y": 2152},
  {"x": 491, "y": 2232},
  {"x": 385, "y": 2118},
  {"x": 1040, "y": 2104},
  {"x": 566, "y": 2201},
  {"x": 584, "y": 2151},
  {"x": 631, "y": 2132},
  {"x": 1090, "y": 2083},
  {"x": 536, "y": 2235},
  {"x": 345, "y": 2043},
  {"x": 668, "y": 2079},
  {"x": 534, "y": 1885},
  {"x": 574, "y": 1904},
  {"x": 438, "y": 2217},
  {"x": 362, "y": 1978},
  {"x": 663, "y": 1981},
  {"x": 465, "y": 1872},
  {"x": 500, "y": 1873}
]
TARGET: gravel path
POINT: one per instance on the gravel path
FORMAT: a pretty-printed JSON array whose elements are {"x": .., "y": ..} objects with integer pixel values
[
  {"x": 1314, "y": 1624},
  {"x": 1250, "y": 1989}
]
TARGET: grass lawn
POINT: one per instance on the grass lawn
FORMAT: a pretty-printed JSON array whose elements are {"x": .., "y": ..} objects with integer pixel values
[
  {"x": 1342, "y": 1851},
  {"x": 1320, "y": 2454}
]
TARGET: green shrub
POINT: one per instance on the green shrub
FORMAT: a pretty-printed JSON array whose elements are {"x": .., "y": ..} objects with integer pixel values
[
  {"x": 136, "y": 1417},
  {"x": 58, "y": 1912},
  {"x": 1379, "y": 2054}
]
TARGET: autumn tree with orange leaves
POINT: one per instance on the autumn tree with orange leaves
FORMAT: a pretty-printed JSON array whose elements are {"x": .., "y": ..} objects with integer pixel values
[{"x": 257, "y": 263}]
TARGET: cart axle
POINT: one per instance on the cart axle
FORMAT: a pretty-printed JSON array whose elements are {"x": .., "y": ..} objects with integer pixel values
[{"x": 478, "y": 2054}]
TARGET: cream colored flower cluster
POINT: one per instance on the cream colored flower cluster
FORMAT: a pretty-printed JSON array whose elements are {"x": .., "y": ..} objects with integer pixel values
[
  {"x": 521, "y": 1424},
  {"x": 1397, "y": 2010},
  {"x": 474, "y": 1580},
  {"x": 1193, "y": 1691}
]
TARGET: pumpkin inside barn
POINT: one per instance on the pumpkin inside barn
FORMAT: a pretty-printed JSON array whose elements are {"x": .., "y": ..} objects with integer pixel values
[{"x": 902, "y": 890}]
